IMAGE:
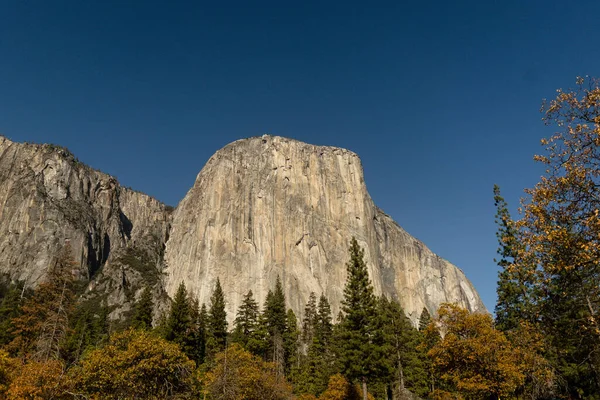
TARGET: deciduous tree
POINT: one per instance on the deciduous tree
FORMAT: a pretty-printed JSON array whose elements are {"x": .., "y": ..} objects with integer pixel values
[
  {"x": 135, "y": 364},
  {"x": 239, "y": 375},
  {"x": 473, "y": 360},
  {"x": 559, "y": 237}
]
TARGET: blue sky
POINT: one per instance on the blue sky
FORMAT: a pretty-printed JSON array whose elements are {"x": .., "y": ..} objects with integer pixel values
[{"x": 440, "y": 99}]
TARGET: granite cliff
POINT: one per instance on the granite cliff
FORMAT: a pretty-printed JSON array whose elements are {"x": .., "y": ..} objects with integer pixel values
[
  {"x": 268, "y": 206},
  {"x": 261, "y": 207}
]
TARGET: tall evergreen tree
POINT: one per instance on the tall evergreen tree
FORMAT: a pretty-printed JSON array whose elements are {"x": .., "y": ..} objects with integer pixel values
[
  {"x": 142, "y": 319},
  {"x": 246, "y": 321},
  {"x": 323, "y": 326},
  {"x": 310, "y": 318},
  {"x": 514, "y": 285},
  {"x": 89, "y": 328},
  {"x": 357, "y": 348},
  {"x": 275, "y": 319},
  {"x": 179, "y": 322},
  {"x": 314, "y": 370},
  {"x": 291, "y": 342},
  {"x": 424, "y": 319},
  {"x": 217, "y": 322},
  {"x": 275, "y": 311},
  {"x": 201, "y": 330},
  {"x": 318, "y": 364},
  {"x": 401, "y": 341}
]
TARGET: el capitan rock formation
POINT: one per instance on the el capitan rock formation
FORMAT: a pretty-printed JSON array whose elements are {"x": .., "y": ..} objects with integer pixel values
[
  {"x": 261, "y": 207},
  {"x": 269, "y": 206}
]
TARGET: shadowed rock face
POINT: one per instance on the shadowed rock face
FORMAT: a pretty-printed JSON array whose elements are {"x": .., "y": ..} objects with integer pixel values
[
  {"x": 270, "y": 206},
  {"x": 260, "y": 208}
]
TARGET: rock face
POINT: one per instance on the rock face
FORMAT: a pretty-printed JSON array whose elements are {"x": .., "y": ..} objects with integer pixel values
[
  {"x": 49, "y": 198},
  {"x": 260, "y": 208},
  {"x": 269, "y": 206}
]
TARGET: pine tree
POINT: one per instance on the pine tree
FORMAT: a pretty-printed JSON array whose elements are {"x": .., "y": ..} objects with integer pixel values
[
  {"x": 291, "y": 342},
  {"x": 359, "y": 306},
  {"x": 401, "y": 340},
  {"x": 217, "y": 323},
  {"x": 514, "y": 286},
  {"x": 318, "y": 364},
  {"x": 246, "y": 321},
  {"x": 323, "y": 326},
  {"x": 275, "y": 319},
  {"x": 179, "y": 322},
  {"x": 144, "y": 307},
  {"x": 275, "y": 311},
  {"x": 314, "y": 371},
  {"x": 310, "y": 318},
  {"x": 424, "y": 319},
  {"x": 88, "y": 328},
  {"x": 201, "y": 339}
]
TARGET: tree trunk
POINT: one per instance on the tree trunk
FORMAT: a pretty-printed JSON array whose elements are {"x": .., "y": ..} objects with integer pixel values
[{"x": 364, "y": 388}]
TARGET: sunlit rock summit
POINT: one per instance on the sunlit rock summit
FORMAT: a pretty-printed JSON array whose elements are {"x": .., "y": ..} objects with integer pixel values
[{"x": 269, "y": 206}]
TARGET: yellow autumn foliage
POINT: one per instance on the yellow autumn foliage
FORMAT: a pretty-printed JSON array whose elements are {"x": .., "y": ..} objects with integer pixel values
[
  {"x": 472, "y": 360},
  {"x": 40, "y": 380},
  {"x": 135, "y": 364},
  {"x": 239, "y": 375}
]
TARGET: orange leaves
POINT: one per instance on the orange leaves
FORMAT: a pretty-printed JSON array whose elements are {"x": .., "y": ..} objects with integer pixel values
[
  {"x": 239, "y": 375},
  {"x": 39, "y": 380},
  {"x": 473, "y": 359},
  {"x": 134, "y": 364},
  {"x": 8, "y": 371}
]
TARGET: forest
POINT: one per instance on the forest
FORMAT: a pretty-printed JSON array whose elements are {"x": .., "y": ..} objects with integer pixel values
[{"x": 542, "y": 343}]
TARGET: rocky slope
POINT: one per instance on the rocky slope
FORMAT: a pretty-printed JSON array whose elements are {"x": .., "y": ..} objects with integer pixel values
[
  {"x": 48, "y": 198},
  {"x": 269, "y": 206}
]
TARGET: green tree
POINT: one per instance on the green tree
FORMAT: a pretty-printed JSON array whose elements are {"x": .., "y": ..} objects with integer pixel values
[
  {"x": 179, "y": 322},
  {"x": 310, "y": 319},
  {"x": 246, "y": 321},
  {"x": 144, "y": 307},
  {"x": 514, "y": 284},
  {"x": 405, "y": 364},
  {"x": 424, "y": 319},
  {"x": 88, "y": 328},
  {"x": 217, "y": 322},
  {"x": 323, "y": 326},
  {"x": 202, "y": 332},
  {"x": 291, "y": 342},
  {"x": 275, "y": 319},
  {"x": 356, "y": 348}
]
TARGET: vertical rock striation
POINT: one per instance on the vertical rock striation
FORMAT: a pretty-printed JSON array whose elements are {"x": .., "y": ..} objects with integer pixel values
[{"x": 270, "y": 206}]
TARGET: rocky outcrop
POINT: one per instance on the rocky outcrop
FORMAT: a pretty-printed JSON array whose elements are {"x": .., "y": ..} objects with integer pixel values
[
  {"x": 269, "y": 206},
  {"x": 49, "y": 198}
]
